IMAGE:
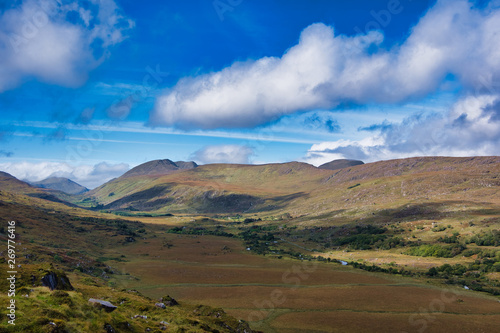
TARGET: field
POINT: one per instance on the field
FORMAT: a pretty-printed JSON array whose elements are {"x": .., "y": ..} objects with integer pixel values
[{"x": 295, "y": 296}]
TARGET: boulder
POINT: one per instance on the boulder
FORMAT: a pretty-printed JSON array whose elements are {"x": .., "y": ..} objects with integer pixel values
[
  {"x": 168, "y": 301},
  {"x": 161, "y": 305},
  {"x": 56, "y": 281},
  {"x": 107, "y": 306}
]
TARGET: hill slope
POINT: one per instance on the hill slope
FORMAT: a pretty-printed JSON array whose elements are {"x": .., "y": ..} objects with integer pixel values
[
  {"x": 77, "y": 257},
  {"x": 12, "y": 184}
]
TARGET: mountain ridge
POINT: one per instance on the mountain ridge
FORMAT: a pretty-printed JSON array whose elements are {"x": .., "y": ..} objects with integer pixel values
[
  {"x": 296, "y": 186},
  {"x": 159, "y": 167}
]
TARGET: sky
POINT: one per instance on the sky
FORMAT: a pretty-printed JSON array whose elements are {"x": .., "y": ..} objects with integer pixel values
[{"x": 90, "y": 89}]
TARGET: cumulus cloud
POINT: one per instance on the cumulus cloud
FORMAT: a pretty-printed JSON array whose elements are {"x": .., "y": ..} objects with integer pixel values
[
  {"x": 223, "y": 154},
  {"x": 57, "y": 42},
  {"x": 453, "y": 39},
  {"x": 89, "y": 176},
  {"x": 470, "y": 128}
]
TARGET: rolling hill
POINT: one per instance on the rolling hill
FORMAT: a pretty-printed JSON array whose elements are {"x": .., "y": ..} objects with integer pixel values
[{"x": 300, "y": 188}]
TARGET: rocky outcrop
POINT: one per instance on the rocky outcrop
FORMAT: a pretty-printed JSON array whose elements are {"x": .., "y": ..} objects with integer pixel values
[
  {"x": 168, "y": 301},
  {"x": 56, "y": 280}
]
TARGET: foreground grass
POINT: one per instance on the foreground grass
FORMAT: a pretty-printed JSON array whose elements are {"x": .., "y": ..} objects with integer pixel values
[{"x": 42, "y": 310}]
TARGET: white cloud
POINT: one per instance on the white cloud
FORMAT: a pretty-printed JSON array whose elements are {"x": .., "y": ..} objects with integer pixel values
[
  {"x": 223, "y": 154},
  {"x": 470, "y": 128},
  {"x": 38, "y": 41},
  {"x": 89, "y": 176},
  {"x": 325, "y": 69}
]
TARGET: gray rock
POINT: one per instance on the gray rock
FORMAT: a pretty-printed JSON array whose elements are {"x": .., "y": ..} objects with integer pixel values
[
  {"x": 103, "y": 304},
  {"x": 54, "y": 281},
  {"x": 161, "y": 305}
]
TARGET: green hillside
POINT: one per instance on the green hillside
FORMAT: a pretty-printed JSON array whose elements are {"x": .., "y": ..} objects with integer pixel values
[{"x": 301, "y": 189}]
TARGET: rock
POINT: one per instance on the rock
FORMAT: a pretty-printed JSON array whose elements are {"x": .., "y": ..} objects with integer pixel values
[
  {"x": 103, "y": 304},
  {"x": 161, "y": 305},
  {"x": 168, "y": 301},
  {"x": 140, "y": 316},
  {"x": 56, "y": 280},
  {"x": 109, "y": 328}
]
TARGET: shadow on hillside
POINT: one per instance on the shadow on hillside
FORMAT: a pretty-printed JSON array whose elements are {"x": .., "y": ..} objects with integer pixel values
[
  {"x": 437, "y": 210},
  {"x": 330, "y": 215},
  {"x": 279, "y": 202},
  {"x": 243, "y": 203},
  {"x": 141, "y": 201}
]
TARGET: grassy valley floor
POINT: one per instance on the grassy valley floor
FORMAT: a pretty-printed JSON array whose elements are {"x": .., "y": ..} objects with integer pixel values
[{"x": 287, "y": 295}]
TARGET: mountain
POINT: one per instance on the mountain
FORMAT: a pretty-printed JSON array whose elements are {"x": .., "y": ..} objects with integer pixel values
[
  {"x": 300, "y": 188},
  {"x": 340, "y": 164},
  {"x": 9, "y": 183},
  {"x": 12, "y": 184},
  {"x": 61, "y": 184},
  {"x": 159, "y": 167}
]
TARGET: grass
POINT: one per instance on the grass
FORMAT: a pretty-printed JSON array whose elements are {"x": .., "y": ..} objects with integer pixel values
[{"x": 196, "y": 269}]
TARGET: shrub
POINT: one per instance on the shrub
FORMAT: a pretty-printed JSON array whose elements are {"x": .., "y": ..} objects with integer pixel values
[{"x": 436, "y": 251}]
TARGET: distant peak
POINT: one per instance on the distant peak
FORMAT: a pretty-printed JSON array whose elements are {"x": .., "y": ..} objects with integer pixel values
[
  {"x": 159, "y": 167},
  {"x": 61, "y": 184},
  {"x": 340, "y": 164}
]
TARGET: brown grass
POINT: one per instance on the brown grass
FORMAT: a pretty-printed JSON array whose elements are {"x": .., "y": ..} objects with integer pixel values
[
  {"x": 198, "y": 270},
  {"x": 348, "y": 321}
]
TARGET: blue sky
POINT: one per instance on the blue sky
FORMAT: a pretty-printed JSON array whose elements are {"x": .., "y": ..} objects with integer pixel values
[{"x": 89, "y": 89}]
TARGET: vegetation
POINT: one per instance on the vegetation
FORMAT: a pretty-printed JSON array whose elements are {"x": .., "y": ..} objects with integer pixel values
[
  {"x": 436, "y": 250},
  {"x": 491, "y": 238}
]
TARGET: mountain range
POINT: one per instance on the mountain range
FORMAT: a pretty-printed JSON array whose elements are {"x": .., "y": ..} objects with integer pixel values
[{"x": 299, "y": 189}]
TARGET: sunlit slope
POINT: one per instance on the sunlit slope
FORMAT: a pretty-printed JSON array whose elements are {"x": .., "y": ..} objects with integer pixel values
[
  {"x": 302, "y": 189},
  {"x": 212, "y": 188}
]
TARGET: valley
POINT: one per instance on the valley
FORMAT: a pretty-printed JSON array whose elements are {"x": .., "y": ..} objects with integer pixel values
[{"x": 402, "y": 246}]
